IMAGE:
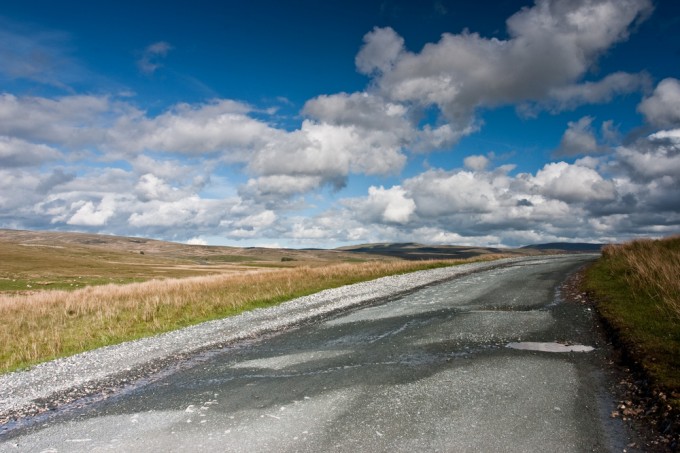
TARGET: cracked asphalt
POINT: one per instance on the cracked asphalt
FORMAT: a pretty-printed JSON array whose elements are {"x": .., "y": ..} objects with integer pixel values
[{"x": 430, "y": 371}]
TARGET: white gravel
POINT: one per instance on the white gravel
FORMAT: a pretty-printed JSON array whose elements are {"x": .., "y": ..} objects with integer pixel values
[{"x": 22, "y": 389}]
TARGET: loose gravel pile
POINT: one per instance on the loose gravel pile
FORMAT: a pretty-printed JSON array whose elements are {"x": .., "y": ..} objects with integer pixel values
[{"x": 51, "y": 384}]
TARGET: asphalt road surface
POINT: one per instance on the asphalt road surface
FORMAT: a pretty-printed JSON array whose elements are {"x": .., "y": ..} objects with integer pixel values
[{"x": 491, "y": 361}]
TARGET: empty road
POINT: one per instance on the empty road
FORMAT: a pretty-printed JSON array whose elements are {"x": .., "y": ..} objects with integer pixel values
[{"x": 464, "y": 365}]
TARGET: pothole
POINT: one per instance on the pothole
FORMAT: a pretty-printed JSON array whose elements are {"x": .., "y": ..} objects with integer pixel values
[{"x": 549, "y": 347}]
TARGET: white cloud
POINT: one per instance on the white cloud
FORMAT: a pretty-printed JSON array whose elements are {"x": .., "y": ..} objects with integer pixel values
[
  {"x": 185, "y": 213},
  {"x": 257, "y": 221},
  {"x": 656, "y": 156},
  {"x": 89, "y": 214},
  {"x": 359, "y": 110},
  {"x": 569, "y": 97},
  {"x": 573, "y": 183},
  {"x": 390, "y": 124},
  {"x": 477, "y": 163},
  {"x": 197, "y": 241},
  {"x": 168, "y": 168},
  {"x": 277, "y": 187},
  {"x": 150, "y": 60},
  {"x": 579, "y": 138},
  {"x": 439, "y": 193},
  {"x": 325, "y": 151},
  {"x": 18, "y": 191},
  {"x": 182, "y": 172},
  {"x": 64, "y": 121},
  {"x": 551, "y": 46},
  {"x": 19, "y": 153},
  {"x": 391, "y": 205},
  {"x": 672, "y": 135},
  {"x": 218, "y": 126},
  {"x": 559, "y": 202},
  {"x": 382, "y": 47},
  {"x": 330, "y": 152},
  {"x": 150, "y": 187},
  {"x": 662, "y": 108}
]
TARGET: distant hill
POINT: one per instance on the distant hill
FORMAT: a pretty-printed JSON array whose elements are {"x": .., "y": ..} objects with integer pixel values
[
  {"x": 415, "y": 251},
  {"x": 31, "y": 247},
  {"x": 18, "y": 245},
  {"x": 567, "y": 247}
]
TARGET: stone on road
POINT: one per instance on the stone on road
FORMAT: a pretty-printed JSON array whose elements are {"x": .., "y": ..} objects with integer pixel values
[{"x": 490, "y": 361}]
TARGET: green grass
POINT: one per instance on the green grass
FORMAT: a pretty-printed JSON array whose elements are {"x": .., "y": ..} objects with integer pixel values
[{"x": 635, "y": 286}]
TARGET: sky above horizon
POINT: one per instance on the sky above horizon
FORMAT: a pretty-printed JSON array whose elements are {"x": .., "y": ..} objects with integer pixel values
[{"x": 321, "y": 124}]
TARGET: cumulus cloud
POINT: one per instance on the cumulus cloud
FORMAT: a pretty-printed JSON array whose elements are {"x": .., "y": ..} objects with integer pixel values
[
  {"x": 382, "y": 47},
  {"x": 250, "y": 226},
  {"x": 654, "y": 157},
  {"x": 461, "y": 192},
  {"x": 468, "y": 206},
  {"x": 151, "y": 187},
  {"x": 101, "y": 162},
  {"x": 385, "y": 205},
  {"x": 89, "y": 214},
  {"x": 550, "y": 47},
  {"x": 328, "y": 152},
  {"x": 17, "y": 192},
  {"x": 333, "y": 143},
  {"x": 217, "y": 126},
  {"x": 360, "y": 110},
  {"x": 569, "y": 97},
  {"x": 476, "y": 162},
  {"x": 57, "y": 177},
  {"x": 67, "y": 121},
  {"x": 579, "y": 138},
  {"x": 630, "y": 190},
  {"x": 257, "y": 221},
  {"x": 188, "y": 212},
  {"x": 19, "y": 153},
  {"x": 573, "y": 183},
  {"x": 388, "y": 123},
  {"x": 274, "y": 188},
  {"x": 662, "y": 108}
]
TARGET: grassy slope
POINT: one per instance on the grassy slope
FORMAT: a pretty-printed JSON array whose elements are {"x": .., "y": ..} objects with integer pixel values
[
  {"x": 636, "y": 286},
  {"x": 31, "y": 261}
]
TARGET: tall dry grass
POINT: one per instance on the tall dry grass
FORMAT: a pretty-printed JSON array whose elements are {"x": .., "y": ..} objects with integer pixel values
[
  {"x": 44, "y": 325},
  {"x": 652, "y": 267}
]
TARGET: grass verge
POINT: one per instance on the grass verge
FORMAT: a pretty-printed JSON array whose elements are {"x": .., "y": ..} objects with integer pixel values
[
  {"x": 637, "y": 289},
  {"x": 49, "y": 324}
]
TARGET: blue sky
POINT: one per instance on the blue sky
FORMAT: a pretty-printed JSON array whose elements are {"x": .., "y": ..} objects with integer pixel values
[{"x": 320, "y": 124}]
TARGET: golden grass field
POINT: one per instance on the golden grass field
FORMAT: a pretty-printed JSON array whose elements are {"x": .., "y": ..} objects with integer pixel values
[{"x": 62, "y": 293}]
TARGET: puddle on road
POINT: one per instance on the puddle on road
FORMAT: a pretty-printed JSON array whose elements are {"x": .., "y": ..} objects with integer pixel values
[{"x": 549, "y": 347}]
